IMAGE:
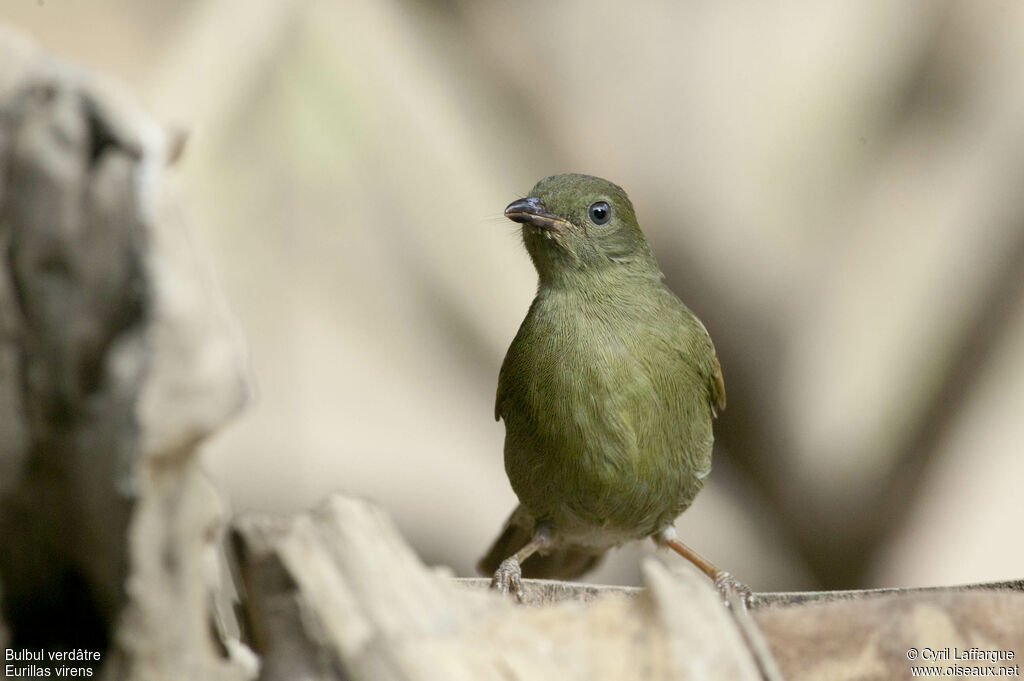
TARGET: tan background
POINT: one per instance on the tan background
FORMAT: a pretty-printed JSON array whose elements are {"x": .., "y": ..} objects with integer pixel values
[{"x": 834, "y": 187}]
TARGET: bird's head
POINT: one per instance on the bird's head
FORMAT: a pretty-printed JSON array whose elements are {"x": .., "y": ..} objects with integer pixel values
[{"x": 578, "y": 223}]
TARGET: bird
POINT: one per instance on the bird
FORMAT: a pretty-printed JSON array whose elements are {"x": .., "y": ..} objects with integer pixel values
[{"x": 608, "y": 392}]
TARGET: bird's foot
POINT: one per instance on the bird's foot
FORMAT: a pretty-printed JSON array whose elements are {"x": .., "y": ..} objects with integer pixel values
[
  {"x": 729, "y": 587},
  {"x": 509, "y": 577}
]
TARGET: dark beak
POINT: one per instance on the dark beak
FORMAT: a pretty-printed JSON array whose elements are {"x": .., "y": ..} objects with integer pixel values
[{"x": 530, "y": 211}]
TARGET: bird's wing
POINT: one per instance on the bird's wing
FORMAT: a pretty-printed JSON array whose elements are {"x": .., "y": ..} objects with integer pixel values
[
  {"x": 716, "y": 384},
  {"x": 702, "y": 352},
  {"x": 499, "y": 395},
  {"x": 513, "y": 363},
  {"x": 504, "y": 379}
]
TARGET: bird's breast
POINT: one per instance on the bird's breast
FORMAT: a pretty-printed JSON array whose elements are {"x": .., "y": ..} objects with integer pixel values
[{"x": 600, "y": 426}]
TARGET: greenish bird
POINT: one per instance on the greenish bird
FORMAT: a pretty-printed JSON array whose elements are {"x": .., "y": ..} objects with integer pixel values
[{"x": 608, "y": 393}]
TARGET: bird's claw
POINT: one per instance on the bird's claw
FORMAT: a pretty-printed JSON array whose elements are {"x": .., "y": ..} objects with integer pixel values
[
  {"x": 728, "y": 586},
  {"x": 509, "y": 577}
]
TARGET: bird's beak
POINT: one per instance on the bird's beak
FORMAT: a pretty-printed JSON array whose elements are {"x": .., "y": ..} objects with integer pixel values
[{"x": 530, "y": 211}]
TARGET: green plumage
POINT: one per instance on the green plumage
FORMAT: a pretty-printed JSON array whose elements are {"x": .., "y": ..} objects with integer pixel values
[{"x": 608, "y": 390}]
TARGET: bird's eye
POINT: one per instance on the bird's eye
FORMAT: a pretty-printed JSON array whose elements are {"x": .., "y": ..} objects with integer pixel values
[{"x": 599, "y": 212}]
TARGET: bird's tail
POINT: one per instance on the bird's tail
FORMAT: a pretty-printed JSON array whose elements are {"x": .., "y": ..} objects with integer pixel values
[{"x": 567, "y": 561}]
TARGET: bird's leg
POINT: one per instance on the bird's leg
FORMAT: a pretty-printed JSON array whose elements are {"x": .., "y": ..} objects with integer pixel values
[
  {"x": 509, "y": 575},
  {"x": 725, "y": 582}
]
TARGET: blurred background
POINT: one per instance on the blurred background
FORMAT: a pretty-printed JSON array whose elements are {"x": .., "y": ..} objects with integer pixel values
[{"x": 835, "y": 188}]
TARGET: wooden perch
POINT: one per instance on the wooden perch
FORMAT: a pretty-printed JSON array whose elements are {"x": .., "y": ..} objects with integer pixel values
[
  {"x": 342, "y": 582},
  {"x": 338, "y": 594}
]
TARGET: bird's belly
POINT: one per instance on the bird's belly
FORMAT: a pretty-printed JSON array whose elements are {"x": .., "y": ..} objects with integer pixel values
[
  {"x": 612, "y": 514},
  {"x": 597, "y": 486}
]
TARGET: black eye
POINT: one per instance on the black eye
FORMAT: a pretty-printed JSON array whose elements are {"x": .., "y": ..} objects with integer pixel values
[{"x": 600, "y": 212}]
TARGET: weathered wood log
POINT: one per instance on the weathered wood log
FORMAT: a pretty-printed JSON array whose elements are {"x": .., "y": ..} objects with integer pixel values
[
  {"x": 337, "y": 594},
  {"x": 116, "y": 359}
]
